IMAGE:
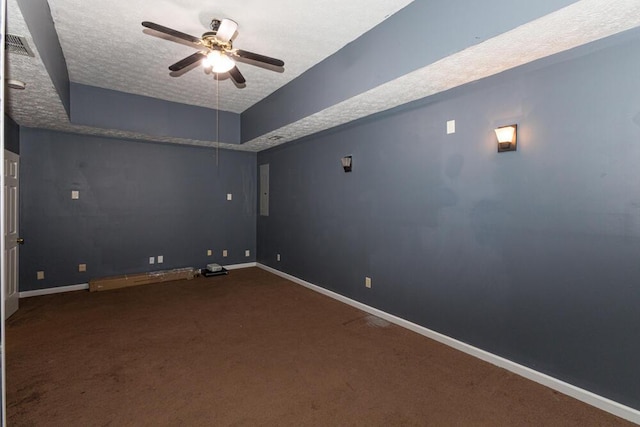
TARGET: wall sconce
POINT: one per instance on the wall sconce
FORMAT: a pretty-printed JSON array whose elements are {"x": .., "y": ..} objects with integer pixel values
[
  {"x": 346, "y": 163},
  {"x": 507, "y": 138}
]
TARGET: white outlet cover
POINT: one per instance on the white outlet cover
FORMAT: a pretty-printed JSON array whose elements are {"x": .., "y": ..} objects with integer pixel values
[
  {"x": 82, "y": 267},
  {"x": 40, "y": 275},
  {"x": 451, "y": 127},
  {"x": 224, "y": 253},
  {"x": 367, "y": 282},
  {"x": 160, "y": 259},
  {"x": 229, "y": 196},
  {"x": 247, "y": 253},
  {"x": 152, "y": 260},
  {"x": 278, "y": 257},
  {"x": 75, "y": 194},
  {"x": 209, "y": 252}
]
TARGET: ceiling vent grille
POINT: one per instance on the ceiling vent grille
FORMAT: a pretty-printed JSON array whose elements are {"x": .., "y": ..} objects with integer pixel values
[{"x": 17, "y": 45}]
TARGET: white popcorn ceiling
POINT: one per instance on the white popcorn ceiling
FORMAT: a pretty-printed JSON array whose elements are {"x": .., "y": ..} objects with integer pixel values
[{"x": 104, "y": 46}]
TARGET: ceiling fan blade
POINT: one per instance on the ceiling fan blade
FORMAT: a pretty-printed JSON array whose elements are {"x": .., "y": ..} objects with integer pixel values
[
  {"x": 226, "y": 30},
  {"x": 172, "y": 32},
  {"x": 237, "y": 76},
  {"x": 259, "y": 58},
  {"x": 187, "y": 61}
]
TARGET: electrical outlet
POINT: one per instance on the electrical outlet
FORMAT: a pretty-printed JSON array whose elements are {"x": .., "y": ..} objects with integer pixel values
[
  {"x": 75, "y": 194},
  {"x": 229, "y": 196},
  {"x": 278, "y": 257},
  {"x": 160, "y": 259},
  {"x": 82, "y": 267},
  {"x": 367, "y": 282},
  {"x": 152, "y": 260},
  {"x": 40, "y": 275},
  {"x": 247, "y": 253},
  {"x": 209, "y": 252},
  {"x": 225, "y": 253}
]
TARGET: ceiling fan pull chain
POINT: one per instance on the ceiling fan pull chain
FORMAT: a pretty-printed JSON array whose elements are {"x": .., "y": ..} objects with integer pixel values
[{"x": 217, "y": 120}]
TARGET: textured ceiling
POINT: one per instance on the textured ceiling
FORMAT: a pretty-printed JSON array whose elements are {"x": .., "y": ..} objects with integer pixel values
[
  {"x": 573, "y": 26},
  {"x": 104, "y": 46}
]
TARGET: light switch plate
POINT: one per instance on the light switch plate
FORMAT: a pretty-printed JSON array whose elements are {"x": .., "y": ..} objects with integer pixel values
[
  {"x": 75, "y": 194},
  {"x": 152, "y": 260},
  {"x": 451, "y": 127},
  {"x": 82, "y": 267}
]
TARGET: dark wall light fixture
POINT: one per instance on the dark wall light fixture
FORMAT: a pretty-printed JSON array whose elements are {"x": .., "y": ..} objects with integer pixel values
[
  {"x": 507, "y": 138},
  {"x": 347, "y": 163}
]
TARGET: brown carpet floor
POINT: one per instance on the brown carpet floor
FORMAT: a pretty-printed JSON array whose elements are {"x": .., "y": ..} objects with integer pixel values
[{"x": 251, "y": 349}]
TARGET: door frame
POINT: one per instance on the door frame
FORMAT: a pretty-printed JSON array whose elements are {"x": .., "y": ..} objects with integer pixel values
[
  {"x": 3, "y": 371},
  {"x": 11, "y": 232}
]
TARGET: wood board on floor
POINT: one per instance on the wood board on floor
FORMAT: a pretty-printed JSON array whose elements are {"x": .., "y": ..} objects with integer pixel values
[{"x": 128, "y": 280}]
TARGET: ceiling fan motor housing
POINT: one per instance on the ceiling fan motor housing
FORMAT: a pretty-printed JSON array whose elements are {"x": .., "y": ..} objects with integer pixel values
[{"x": 210, "y": 41}]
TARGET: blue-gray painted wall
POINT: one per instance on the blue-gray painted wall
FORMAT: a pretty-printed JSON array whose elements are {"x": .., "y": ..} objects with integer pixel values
[
  {"x": 418, "y": 35},
  {"x": 137, "y": 200},
  {"x": 109, "y": 109},
  {"x": 532, "y": 255},
  {"x": 11, "y": 135},
  {"x": 37, "y": 16}
]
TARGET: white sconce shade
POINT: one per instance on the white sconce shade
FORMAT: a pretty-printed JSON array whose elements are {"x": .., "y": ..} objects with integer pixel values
[
  {"x": 507, "y": 138},
  {"x": 218, "y": 62},
  {"x": 16, "y": 84},
  {"x": 346, "y": 163}
]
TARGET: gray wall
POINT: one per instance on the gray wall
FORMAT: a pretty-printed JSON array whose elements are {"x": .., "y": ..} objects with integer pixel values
[
  {"x": 137, "y": 200},
  {"x": 37, "y": 16},
  {"x": 11, "y": 135},
  {"x": 110, "y": 109},
  {"x": 532, "y": 255},
  {"x": 420, "y": 34}
]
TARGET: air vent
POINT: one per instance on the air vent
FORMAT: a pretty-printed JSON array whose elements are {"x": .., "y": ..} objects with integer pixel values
[{"x": 17, "y": 45}]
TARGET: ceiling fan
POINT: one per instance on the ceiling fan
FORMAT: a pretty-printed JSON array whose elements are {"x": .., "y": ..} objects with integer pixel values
[{"x": 216, "y": 52}]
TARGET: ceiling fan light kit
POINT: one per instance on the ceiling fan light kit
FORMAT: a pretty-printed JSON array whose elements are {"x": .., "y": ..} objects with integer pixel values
[
  {"x": 216, "y": 52},
  {"x": 218, "y": 62}
]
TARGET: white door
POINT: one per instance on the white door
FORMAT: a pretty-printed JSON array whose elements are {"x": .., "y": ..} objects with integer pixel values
[{"x": 11, "y": 239}]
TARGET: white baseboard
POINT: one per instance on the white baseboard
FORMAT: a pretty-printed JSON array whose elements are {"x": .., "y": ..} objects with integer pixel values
[
  {"x": 56, "y": 290},
  {"x": 586, "y": 396},
  {"x": 83, "y": 286}
]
